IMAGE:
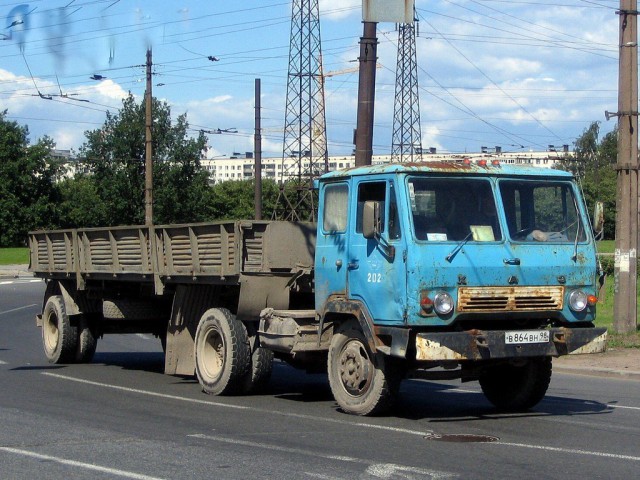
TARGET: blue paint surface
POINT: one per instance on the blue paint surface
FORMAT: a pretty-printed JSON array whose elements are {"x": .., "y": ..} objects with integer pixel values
[{"x": 530, "y": 241}]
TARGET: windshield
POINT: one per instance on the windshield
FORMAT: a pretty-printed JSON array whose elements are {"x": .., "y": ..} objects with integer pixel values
[
  {"x": 444, "y": 209},
  {"x": 538, "y": 212}
]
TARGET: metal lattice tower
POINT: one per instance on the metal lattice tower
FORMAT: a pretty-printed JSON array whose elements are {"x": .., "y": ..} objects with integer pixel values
[
  {"x": 305, "y": 125},
  {"x": 406, "y": 145}
]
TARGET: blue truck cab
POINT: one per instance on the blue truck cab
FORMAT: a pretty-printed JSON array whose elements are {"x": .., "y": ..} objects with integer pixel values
[{"x": 484, "y": 269}]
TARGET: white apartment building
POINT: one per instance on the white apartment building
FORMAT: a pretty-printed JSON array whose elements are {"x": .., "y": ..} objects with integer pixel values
[{"x": 242, "y": 167}]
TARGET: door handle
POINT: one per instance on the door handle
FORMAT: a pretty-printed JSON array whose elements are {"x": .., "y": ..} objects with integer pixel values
[
  {"x": 511, "y": 261},
  {"x": 353, "y": 265}
]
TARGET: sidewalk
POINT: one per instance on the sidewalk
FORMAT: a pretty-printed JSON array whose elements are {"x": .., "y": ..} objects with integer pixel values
[
  {"x": 15, "y": 271},
  {"x": 615, "y": 362}
]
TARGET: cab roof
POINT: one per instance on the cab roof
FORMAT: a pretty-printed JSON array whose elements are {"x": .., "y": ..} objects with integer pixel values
[{"x": 456, "y": 168}]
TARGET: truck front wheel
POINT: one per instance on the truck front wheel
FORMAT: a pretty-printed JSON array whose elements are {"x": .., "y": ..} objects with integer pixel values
[
  {"x": 222, "y": 354},
  {"x": 517, "y": 387},
  {"x": 59, "y": 337},
  {"x": 362, "y": 382}
]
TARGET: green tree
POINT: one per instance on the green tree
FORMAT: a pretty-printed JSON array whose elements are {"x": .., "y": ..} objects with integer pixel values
[
  {"x": 28, "y": 192},
  {"x": 81, "y": 204},
  {"x": 234, "y": 200},
  {"x": 115, "y": 154},
  {"x": 594, "y": 165}
]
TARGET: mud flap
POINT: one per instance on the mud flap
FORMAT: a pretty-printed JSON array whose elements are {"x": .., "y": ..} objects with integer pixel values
[{"x": 485, "y": 345}]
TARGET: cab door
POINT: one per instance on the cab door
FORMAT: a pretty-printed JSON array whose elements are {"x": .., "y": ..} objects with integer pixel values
[
  {"x": 331, "y": 243},
  {"x": 376, "y": 269}
]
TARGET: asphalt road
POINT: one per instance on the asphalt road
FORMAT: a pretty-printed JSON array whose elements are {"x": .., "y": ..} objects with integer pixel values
[{"x": 120, "y": 417}]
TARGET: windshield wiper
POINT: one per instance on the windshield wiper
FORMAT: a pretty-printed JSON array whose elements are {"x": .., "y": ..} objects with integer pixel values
[{"x": 455, "y": 251}]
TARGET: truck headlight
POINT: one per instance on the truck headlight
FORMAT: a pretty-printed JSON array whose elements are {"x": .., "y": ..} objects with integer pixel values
[
  {"x": 443, "y": 303},
  {"x": 578, "y": 300}
]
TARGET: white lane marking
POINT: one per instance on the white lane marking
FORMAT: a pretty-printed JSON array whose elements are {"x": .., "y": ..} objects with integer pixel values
[
  {"x": 570, "y": 400},
  {"x": 240, "y": 407},
  {"x": 570, "y": 451},
  {"x": 380, "y": 470},
  {"x": 14, "y": 282},
  {"x": 321, "y": 419},
  {"x": 74, "y": 463},
  {"x": 3, "y": 363},
  {"x": 19, "y": 308},
  {"x": 612, "y": 405}
]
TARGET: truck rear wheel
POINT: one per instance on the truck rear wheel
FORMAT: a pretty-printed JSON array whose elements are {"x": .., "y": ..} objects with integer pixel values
[
  {"x": 517, "y": 387},
  {"x": 362, "y": 382},
  {"x": 260, "y": 370},
  {"x": 59, "y": 337},
  {"x": 222, "y": 353}
]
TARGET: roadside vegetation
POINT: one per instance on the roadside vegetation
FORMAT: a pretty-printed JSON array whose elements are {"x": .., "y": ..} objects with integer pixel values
[{"x": 14, "y": 256}]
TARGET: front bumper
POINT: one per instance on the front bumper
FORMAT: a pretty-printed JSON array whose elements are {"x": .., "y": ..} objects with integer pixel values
[{"x": 485, "y": 345}]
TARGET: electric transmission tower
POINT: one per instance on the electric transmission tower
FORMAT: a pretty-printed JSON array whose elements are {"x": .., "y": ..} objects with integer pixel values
[
  {"x": 305, "y": 138},
  {"x": 406, "y": 145}
]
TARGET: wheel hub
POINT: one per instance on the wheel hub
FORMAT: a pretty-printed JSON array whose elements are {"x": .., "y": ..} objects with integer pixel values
[
  {"x": 51, "y": 333},
  {"x": 356, "y": 369},
  {"x": 213, "y": 354}
]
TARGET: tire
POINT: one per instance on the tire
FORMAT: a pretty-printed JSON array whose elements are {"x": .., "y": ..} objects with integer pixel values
[
  {"x": 59, "y": 337},
  {"x": 259, "y": 374},
  {"x": 517, "y": 387},
  {"x": 222, "y": 353},
  {"x": 362, "y": 383},
  {"x": 87, "y": 341},
  {"x": 125, "y": 308}
]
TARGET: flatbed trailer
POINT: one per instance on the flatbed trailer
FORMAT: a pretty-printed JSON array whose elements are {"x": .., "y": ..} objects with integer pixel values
[{"x": 130, "y": 279}]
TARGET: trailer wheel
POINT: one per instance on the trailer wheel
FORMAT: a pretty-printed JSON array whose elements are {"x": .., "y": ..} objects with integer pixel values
[
  {"x": 222, "y": 353},
  {"x": 517, "y": 387},
  {"x": 362, "y": 382},
  {"x": 87, "y": 341},
  {"x": 59, "y": 337}
]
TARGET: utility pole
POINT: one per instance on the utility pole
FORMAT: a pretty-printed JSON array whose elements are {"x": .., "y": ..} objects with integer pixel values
[
  {"x": 625, "y": 279},
  {"x": 257, "y": 155},
  {"x": 366, "y": 94},
  {"x": 148, "y": 163},
  {"x": 304, "y": 126},
  {"x": 406, "y": 143}
]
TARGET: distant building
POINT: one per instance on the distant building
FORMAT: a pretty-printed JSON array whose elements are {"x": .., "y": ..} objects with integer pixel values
[{"x": 241, "y": 167}]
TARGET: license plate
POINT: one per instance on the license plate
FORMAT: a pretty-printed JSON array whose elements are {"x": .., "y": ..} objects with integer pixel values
[{"x": 526, "y": 336}]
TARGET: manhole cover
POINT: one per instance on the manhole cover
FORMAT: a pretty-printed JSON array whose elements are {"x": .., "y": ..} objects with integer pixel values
[{"x": 461, "y": 438}]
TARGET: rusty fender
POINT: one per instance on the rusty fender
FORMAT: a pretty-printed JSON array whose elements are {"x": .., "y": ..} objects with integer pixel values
[
  {"x": 485, "y": 345},
  {"x": 391, "y": 341}
]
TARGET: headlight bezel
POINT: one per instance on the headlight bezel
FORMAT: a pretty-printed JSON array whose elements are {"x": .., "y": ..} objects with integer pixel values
[{"x": 578, "y": 301}]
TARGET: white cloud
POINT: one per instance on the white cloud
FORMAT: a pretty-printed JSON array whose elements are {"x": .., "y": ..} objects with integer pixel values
[{"x": 339, "y": 9}]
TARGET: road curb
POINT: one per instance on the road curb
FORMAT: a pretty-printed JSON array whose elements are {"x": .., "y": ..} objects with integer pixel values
[{"x": 598, "y": 372}]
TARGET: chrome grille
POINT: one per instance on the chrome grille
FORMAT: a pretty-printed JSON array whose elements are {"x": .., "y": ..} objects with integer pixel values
[{"x": 499, "y": 299}]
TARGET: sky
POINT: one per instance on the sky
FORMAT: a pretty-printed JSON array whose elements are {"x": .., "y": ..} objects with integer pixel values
[{"x": 521, "y": 75}]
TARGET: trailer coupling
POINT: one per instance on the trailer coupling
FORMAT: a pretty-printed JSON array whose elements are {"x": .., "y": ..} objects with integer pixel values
[{"x": 495, "y": 344}]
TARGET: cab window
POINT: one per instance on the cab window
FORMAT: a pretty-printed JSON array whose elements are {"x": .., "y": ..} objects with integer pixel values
[{"x": 335, "y": 208}]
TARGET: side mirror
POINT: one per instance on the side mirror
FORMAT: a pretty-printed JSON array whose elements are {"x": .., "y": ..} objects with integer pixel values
[
  {"x": 371, "y": 220},
  {"x": 598, "y": 220}
]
